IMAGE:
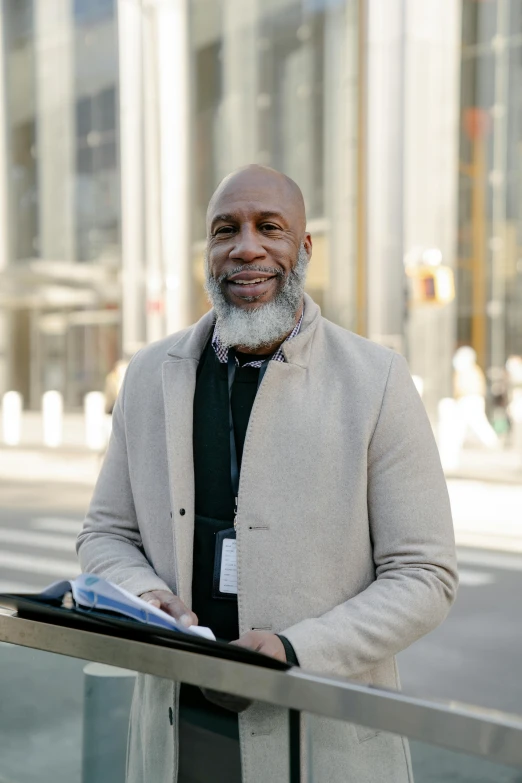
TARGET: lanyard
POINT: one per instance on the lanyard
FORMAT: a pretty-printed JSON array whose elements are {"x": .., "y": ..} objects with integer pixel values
[{"x": 234, "y": 467}]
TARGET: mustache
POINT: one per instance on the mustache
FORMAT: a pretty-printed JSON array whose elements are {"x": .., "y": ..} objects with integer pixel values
[{"x": 267, "y": 270}]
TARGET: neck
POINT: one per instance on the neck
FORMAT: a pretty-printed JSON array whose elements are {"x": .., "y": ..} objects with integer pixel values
[{"x": 267, "y": 350}]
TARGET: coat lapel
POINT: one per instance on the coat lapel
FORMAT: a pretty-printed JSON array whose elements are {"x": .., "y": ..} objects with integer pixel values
[
  {"x": 179, "y": 379},
  {"x": 179, "y": 382}
]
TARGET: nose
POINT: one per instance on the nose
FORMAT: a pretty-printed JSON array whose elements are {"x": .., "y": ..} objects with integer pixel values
[{"x": 248, "y": 247}]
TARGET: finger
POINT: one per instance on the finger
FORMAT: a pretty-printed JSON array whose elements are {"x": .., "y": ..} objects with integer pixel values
[
  {"x": 175, "y": 607},
  {"x": 154, "y": 601}
]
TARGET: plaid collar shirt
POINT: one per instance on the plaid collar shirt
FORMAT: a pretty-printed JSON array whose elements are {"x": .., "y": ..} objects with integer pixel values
[{"x": 222, "y": 350}]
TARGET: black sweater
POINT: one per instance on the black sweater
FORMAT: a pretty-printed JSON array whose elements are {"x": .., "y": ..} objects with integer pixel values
[{"x": 214, "y": 505}]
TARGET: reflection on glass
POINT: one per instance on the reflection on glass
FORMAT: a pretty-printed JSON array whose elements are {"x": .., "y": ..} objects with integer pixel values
[
  {"x": 41, "y": 731},
  {"x": 338, "y": 751}
]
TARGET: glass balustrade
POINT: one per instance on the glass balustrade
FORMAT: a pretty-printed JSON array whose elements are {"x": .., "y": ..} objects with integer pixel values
[
  {"x": 64, "y": 719},
  {"x": 391, "y": 757}
]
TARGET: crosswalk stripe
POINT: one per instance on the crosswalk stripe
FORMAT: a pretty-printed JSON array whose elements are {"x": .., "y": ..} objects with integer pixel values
[
  {"x": 39, "y": 565},
  {"x": 469, "y": 578},
  {"x": 43, "y": 540},
  {"x": 57, "y": 524},
  {"x": 17, "y": 587},
  {"x": 487, "y": 559}
]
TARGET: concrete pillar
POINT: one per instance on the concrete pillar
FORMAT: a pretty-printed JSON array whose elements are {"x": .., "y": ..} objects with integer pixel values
[
  {"x": 431, "y": 138},
  {"x": 106, "y": 709},
  {"x": 131, "y": 173},
  {"x": 385, "y": 171},
  {"x": 154, "y": 272},
  {"x": 4, "y": 158},
  {"x": 498, "y": 178},
  {"x": 340, "y": 164},
  {"x": 55, "y": 127},
  {"x": 413, "y": 132},
  {"x": 4, "y": 201},
  {"x": 239, "y": 135},
  {"x": 173, "y": 124}
]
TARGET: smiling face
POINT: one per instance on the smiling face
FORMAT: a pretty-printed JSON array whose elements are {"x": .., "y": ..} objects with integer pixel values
[
  {"x": 257, "y": 256},
  {"x": 256, "y": 226}
]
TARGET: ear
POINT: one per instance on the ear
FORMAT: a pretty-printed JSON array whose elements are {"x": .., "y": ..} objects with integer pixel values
[{"x": 307, "y": 242}]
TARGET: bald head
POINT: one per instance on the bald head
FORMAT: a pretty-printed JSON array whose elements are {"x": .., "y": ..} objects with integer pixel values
[
  {"x": 257, "y": 184},
  {"x": 258, "y": 250}
]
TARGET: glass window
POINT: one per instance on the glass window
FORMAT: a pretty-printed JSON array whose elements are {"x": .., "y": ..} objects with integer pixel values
[
  {"x": 489, "y": 277},
  {"x": 268, "y": 87},
  {"x": 290, "y": 97},
  {"x": 62, "y": 163}
]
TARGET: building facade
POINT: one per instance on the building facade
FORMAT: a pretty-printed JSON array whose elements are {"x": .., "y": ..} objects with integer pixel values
[
  {"x": 60, "y": 254},
  {"x": 489, "y": 314},
  {"x": 399, "y": 119}
]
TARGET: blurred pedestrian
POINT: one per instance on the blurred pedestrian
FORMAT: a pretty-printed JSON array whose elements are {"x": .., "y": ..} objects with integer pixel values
[
  {"x": 113, "y": 384},
  {"x": 469, "y": 383},
  {"x": 499, "y": 394},
  {"x": 514, "y": 371}
]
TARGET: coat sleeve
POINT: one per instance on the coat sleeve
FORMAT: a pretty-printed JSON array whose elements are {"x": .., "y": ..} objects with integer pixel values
[
  {"x": 110, "y": 542},
  {"x": 413, "y": 545}
]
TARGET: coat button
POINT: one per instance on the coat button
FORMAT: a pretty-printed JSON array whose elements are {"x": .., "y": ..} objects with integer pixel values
[{"x": 182, "y": 512}]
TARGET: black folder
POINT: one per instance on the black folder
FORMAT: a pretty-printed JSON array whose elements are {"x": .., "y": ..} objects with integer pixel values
[{"x": 32, "y": 606}]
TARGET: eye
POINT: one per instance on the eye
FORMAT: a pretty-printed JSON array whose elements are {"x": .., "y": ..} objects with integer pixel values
[
  {"x": 270, "y": 227},
  {"x": 224, "y": 230}
]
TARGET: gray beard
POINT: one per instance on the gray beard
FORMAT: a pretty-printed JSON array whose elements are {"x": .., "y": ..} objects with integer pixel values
[{"x": 264, "y": 325}]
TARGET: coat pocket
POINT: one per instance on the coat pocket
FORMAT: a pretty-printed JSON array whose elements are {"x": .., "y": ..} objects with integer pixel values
[{"x": 364, "y": 733}]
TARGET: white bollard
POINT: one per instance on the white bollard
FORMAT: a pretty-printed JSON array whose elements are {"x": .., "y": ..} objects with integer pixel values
[
  {"x": 106, "y": 709},
  {"x": 52, "y": 416},
  {"x": 94, "y": 416},
  {"x": 12, "y": 418},
  {"x": 450, "y": 434}
]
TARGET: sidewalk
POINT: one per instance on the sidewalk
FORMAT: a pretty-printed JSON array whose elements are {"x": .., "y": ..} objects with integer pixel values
[
  {"x": 71, "y": 462},
  {"x": 502, "y": 466},
  {"x": 60, "y": 466},
  {"x": 73, "y": 432},
  {"x": 487, "y": 514}
]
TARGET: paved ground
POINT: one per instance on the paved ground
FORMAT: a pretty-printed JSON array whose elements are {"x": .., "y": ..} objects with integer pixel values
[
  {"x": 503, "y": 464},
  {"x": 473, "y": 657}
]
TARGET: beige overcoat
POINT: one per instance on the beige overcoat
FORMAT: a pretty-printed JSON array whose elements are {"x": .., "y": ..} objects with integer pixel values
[{"x": 345, "y": 539}]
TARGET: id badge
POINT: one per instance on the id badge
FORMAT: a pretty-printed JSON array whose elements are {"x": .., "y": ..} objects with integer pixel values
[{"x": 224, "y": 583}]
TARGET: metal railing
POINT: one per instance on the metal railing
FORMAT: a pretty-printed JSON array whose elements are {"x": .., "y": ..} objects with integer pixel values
[{"x": 493, "y": 735}]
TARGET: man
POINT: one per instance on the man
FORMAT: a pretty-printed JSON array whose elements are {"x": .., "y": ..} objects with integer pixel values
[{"x": 345, "y": 551}]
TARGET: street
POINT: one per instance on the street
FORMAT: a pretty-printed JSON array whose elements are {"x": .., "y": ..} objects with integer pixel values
[
  {"x": 41, "y": 732},
  {"x": 473, "y": 657}
]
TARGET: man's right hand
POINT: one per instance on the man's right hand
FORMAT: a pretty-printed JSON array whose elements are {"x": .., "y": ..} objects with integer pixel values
[
  {"x": 174, "y": 606},
  {"x": 171, "y": 604}
]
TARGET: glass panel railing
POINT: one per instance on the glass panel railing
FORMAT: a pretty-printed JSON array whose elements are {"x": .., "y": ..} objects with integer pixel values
[
  {"x": 65, "y": 719},
  {"x": 338, "y": 751},
  {"x": 41, "y": 716},
  {"x": 434, "y": 765}
]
